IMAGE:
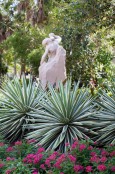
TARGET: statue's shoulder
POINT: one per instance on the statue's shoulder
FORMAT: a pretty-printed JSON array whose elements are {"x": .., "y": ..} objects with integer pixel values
[
  {"x": 61, "y": 48},
  {"x": 61, "y": 51}
]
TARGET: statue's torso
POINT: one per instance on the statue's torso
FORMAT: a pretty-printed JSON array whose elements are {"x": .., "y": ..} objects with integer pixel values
[{"x": 52, "y": 48}]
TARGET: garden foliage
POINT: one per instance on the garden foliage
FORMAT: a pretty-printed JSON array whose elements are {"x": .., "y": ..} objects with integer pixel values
[
  {"x": 20, "y": 98},
  {"x": 64, "y": 115},
  {"x": 55, "y": 117},
  {"x": 107, "y": 115},
  {"x": 81, "y": 158}
]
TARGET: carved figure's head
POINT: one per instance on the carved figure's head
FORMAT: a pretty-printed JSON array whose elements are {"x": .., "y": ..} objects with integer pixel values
[
  {"x": 55, "y": 37},
  {"x": 46, "y": 41},
  {"x": 52, "y": 38}
]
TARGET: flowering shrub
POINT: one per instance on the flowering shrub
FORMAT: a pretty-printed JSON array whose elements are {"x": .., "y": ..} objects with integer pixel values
[{"x": 81, "y": 158}]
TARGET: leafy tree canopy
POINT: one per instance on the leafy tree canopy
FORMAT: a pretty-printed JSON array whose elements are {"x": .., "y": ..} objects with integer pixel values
[{"x": 86, "y": 28}]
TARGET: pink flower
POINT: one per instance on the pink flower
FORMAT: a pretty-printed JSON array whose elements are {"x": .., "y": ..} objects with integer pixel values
[
  {"x": 26, "y": 160},
  {"x": 74, "y": 145},
  {"x": 72, "y": 158},
  {"x": 67, "y": 144},
  {"x": 94, "y": 159},
  {"x": 8, "y": 171},
  {"x": 57, "y": 165},
  {"x": 1, "y": 144},
  {"x": 61, "y": 173},
  {"x": 104, "y": 153},
  {"x": 52, "y": 157},
  {"x": 47, "y": 162},
  {"x": 1, "y": 165},
  {"x": 90, "y": 148},
  {"x": 82, "y": 147},
  {"x": 88, "y": 169},
  {"x": 113, "y": 168},
  {"x": 95, "y": 143},
  {"x": 103, "y": 159},
  {"x": 56, "y": 153},
  {"x": 18, "y": 143},
  {"x": 78, "y": 168},
  {"x": 112, "y": 154},
  {"x": 101, "y": 167},
  {"x": 37, "y": 158},
  {"x": 93, "y": 154},
  {"x": 61, "y": 158},
  {"x": 9, "y": 149},
  {"x": 31, "y": 141},
  {"x": 111, "y": 145},
  {"x": 76, "y": 139},
  {"x": 59, "y": 161},
  {"x": 40, "y": 156},
  {"x": 41, "y": 149},
  {"x": 35, "y": 171},
  {"x": 10, "y": 159},
  {"x": 42, "y": 166},
  {"x": 30, "y": 158}
]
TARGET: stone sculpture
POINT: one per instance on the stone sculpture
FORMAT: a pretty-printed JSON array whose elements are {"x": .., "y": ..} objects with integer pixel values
[{"x": 52, "y": 67}]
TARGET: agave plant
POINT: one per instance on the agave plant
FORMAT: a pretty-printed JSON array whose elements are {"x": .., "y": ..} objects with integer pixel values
[
  {"x": 20, "y": 99},
  {"x": 107, "y": 117},
  {"x": 65, "y": 117}
]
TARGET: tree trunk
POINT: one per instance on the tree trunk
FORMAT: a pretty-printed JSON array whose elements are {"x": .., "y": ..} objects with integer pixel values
[
  {"x": 23, "y": 67},
  {"x": 41, "y": 15},
  {"x": 15, "y": 70}
]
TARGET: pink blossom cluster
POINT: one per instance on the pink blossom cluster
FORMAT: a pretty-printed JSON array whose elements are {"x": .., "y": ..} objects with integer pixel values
[
  {"x": 18, "y": 143},
  {"x": 52, "y": 157},
  {"x": 59, "y": 161},
  {"x": 1, "y": 144},
  {"x": 33, "y": 158},
  {"x": 9, "y": 149},
  {"x": 80, "y": 158},
  {"x": 10, "y": 159},
  {"x": 78, "y": 168},
  {"x": 1, "y": 165}
]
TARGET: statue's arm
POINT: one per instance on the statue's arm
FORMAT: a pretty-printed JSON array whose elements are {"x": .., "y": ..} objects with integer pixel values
[{"x": 44, "y": 56}]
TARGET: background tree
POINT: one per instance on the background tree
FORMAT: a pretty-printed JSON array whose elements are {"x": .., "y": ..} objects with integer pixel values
[
  {"x": 86, "y": 27},
  {"x": 78, "y": 23}
]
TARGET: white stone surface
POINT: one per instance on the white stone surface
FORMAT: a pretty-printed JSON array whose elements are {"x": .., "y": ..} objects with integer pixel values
[{"x": 52, "y": 67}]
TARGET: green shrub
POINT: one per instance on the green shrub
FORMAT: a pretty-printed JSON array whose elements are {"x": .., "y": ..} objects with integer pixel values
[
  {"x": 19, "y": 101},
  {"x": 106, "y": 115},
  {"x": 65, "y": 116}
]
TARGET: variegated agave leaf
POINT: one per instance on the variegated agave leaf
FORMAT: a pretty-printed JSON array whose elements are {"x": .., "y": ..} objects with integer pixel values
[
  {"x": 19, "y": 101},
  {"x": 65, "y": 118},
  {"x": 107, "y": 113}
]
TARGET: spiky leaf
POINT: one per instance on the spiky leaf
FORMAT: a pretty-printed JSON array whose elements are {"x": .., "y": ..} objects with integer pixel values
[
  {"x": 107, "y": 113},
  {"x": 20, "y": 99},
  {"x": 66, "y": 117}
]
